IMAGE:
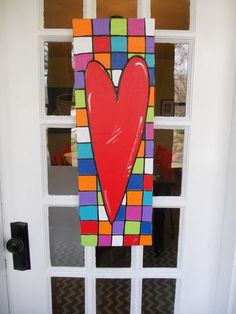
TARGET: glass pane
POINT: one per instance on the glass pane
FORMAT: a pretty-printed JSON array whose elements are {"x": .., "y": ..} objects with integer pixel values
[
  {"x": 171, "y": 78},
  {"x": 113, "y": 296},
  {"x": 113, "y": 256},
  {"x": 165, "y": 234},
  {"x": 114, "y": 8},
  {"x": 64, "y": 234},
  {"x": 171, "y": 14},
  {"x": 62, "y": 168},
  {"x": 67, "y": 295},
  {"x": 58, "y": 78},
  {"x": 59, "y": 13},
  {"x": 168, "y": 162},
  {"x": 158, "y": 296}
]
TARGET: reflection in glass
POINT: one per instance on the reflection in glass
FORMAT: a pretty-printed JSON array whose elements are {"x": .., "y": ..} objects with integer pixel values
[
  {"x": 64, "y": 234},
  {"x": 158, "y": 296},
  {"x": 171, "y": 14},
  {"x": 59, "y": 14},
  {"x": 114, "y": 8},
  {"x": 62, "y": 170},
  {"x": 67, "y": 295},
  {"x": 171, "y": 79},
  {"x": 165, "y": 234},
  {"x": 113, "y": 256},
  {"x": 168, "y": 162},
  {"x": 113, "y": 296},
  {"x": 59, "y": 79}
]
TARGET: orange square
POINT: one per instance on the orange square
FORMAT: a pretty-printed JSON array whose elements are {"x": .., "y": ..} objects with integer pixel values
[
  {"x": 134, "y": 198},
  {"x": 82, "y": 27},
  {"x": 104, "y": 227},
  {"x": 141, "y": 149},
  {"x": 87, "y": 183},
  {"x": 136, "y": 44},
  {"x": 104, "y": 59},
  {"x": 81, "y": 117},
  {"x": 151, "y": 96},
  {"x": 145, "y": 240}
]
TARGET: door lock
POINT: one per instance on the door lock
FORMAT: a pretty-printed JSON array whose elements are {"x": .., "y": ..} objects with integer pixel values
[{"x": 18, "y": 245}]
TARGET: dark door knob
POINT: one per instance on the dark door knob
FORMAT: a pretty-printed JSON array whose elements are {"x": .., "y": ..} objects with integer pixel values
[{"x": 15, "y": 246}]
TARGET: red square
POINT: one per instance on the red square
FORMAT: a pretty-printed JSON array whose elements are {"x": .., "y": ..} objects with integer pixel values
[
  {"x": 101, "y": 44},
  {"x": 131, "y": 240},
  {"x": 88, "y": 227},
  {"x": 148, "y": 182}
]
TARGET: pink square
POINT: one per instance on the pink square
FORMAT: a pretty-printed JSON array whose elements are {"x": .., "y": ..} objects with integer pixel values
[
  {"x": 136, "y": 26},
  {"x": 133, "y": 212},
  {"x": 81, "y": 61},
  {"x": 104, "y": 240},
  {"x": 149, "y": 131}
]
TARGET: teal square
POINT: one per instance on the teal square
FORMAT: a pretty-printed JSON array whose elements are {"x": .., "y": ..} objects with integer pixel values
[
  {"x": 118, "y": 43},
  {"x": 147, "y": 198},
  {"x": 88, "y": 213},
  {"x": 84, "y": 150},
  {"x": 150, "y": 59},
  {"x": 118, "y": 26}
]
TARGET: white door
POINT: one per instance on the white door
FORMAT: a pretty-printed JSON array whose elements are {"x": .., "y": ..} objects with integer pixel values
[{"x": 194, "y": 94}]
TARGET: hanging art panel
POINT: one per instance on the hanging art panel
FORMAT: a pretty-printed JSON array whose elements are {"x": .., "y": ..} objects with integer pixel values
[{"x": 114, "y": 100}]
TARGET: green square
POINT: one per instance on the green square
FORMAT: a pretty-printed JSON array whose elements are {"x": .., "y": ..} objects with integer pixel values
[
  {"x": 118, "y": 26},
  {"x": 100, "y": 199},
  {"x": 80, "y": 98},
  {"x": 150, "y": 114},
  {"x": 89, "y": 240},
  {"x": 130, "y": 55},
  {"x": 132, "y": 227},
  {"x": 138, "y": 166}
]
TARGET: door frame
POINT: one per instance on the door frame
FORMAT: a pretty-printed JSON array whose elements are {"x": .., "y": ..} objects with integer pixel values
[{"x": 199, "y": 124}]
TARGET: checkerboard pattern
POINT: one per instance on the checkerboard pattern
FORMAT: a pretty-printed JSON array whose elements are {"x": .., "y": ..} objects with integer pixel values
[{"x": 113, "y": 42}]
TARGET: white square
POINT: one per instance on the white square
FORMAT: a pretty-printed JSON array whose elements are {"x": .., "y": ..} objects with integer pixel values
[
  {"x": 83, "y": 135},
  {"x": 82, "y": 45},
  {"x": 150, "y": 27},
  {"x": 149, "y": 165},
  {"x": 124, "y": 200},
  {"x": 102, "y": 213},
  {"x": 117, "y": 240},
  {"x": 116, "y": 76}
]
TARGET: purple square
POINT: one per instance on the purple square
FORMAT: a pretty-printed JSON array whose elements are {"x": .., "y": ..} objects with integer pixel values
[
  {"x": 135, "y": 26},
  {"x": 147, "y": 213},
  {"x": 81, "y": 61},
  {"x": 149, "y": 149},
  {"x": 150, "y": 44},
  {"x": 133, "y": 213},
  {"x": 149, "y": 131},
  {"x": 118, "y": 227},
  {"x": 79, "y": 79},
  {"x": 100, "y": 26},
  {"x": 104, "y": 240},
  {"x": 87, "y": 198}
]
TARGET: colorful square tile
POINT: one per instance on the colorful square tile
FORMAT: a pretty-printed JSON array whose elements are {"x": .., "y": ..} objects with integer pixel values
[
  {"x": 118, "y": 26},
  {"x": 135, "y": 182},
  {"x": 101, "y": 44},
  {"x": 87, "y": 183},
  {"x": 148, "y": 182},
  {"x": 136, "y": 44},
  {"x": 83, "y": 135},
  {"x": 82, "y": 45},
  {"x": 117, "y": 240},
  {"x": 81, "y": 117},
  {"x": 102, "y": 213},
  {"x": 131, "y": 240},
  {"x": 82, "y": 27},
  {"x": 104, "y": 240},
  {"x": 118, "y": 227},
  {"x": 104, "y": 59},
  {"x": 84, "y": 150},
  {"x": 79, "y": 79},
  {"x": 133, "y": 213},
  {"x": 121, "y": 213},
  {"x": 80, "y": 98},
  {"x": 81, "y": 61},
  {"x": 146, "y": 228},
  {"x": 119, "y": 60},
  {"x": 149, "y": 165},
  {"x": 134, "y": 197},
  {"x": 149, "y": 149},
  {"x": 89, "y": 240},
  {"x": 147, "y": 198},
  {"x": 147, "y": 213},
  {"x": 87, "y": 198},
  {"x": 105, "y": 227},
  {"x": 136, "y": 26},
  {"x": 138, "y": 166},
  {"x": 88, "y": 227},
  {"x": 119, "y": 43},
  {"x": 88, "y": 212},
  {"x": 132, "y": 227},
  {"x": 101, "y": 26},
  {"x": 86, "y": 167}
]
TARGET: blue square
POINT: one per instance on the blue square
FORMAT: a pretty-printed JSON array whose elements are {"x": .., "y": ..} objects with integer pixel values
[
  {"x": 146, "y": 228},
  {"x": 84, "y": 150},
  {"x": 86, "y": 167},
  {"x": 121, "y": 213},
  {"x": 118, "y": 43},
  {"x": 147, "y": 198},
  {"x": 88, "y": 213},
  {"x": 151, "y": 76},
  {"x": 150, "y": 59},
  {"x": 119, "y": 60},
  {"x": 135, "y": 182}
]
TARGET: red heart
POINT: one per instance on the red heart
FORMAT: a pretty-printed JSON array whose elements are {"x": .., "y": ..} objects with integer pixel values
[{"x": 116, "y": 122}]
